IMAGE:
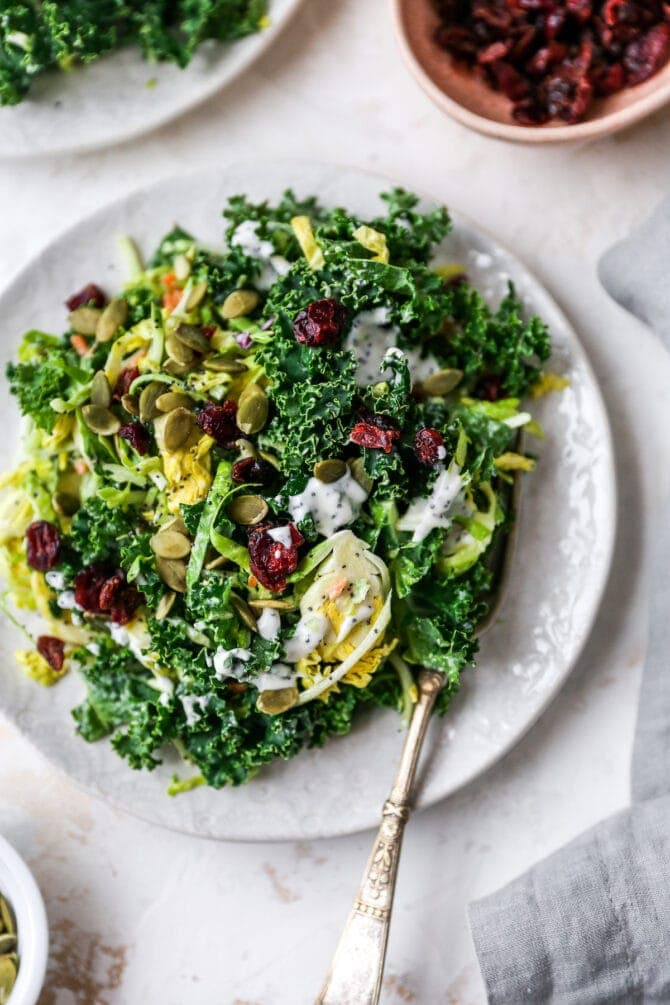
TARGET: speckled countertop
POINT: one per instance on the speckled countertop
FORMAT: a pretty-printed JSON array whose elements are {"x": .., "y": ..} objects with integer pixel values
[{"x": 141, "y": 915}]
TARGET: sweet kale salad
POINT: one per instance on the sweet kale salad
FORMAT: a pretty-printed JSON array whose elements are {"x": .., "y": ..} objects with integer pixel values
[
  {"x": 260, "y": 487},
  {"x": 39, "y": 35}
]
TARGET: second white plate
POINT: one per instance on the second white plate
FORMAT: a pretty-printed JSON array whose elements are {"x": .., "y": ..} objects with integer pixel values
[{"x": 557, "y": 575}]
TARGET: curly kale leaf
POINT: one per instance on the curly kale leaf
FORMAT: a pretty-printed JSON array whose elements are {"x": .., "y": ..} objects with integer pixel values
[
  {"x": 47, "y": 370},
  {"x": 98, "y": 531}
]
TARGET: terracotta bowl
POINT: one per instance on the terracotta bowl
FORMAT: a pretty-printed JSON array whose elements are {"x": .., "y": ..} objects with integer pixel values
[{"x": 457, "y": 91}]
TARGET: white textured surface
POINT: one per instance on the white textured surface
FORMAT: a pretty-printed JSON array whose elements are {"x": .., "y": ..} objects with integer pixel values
[
  {"x": 537, "y": 629},
  {"x": 140, "y": 914}
]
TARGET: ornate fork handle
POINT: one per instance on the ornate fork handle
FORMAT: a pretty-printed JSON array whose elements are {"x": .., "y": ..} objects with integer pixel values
[{"x": 355, "y": 974}]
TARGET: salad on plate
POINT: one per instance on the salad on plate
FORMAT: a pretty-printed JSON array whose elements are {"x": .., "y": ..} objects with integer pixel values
[{"x": 262, "y": 486}]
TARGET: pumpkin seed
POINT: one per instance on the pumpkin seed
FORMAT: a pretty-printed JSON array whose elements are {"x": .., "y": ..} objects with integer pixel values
[
  {"x": 252, "y": 410},
  {"x": 176, "y": 369},
  {"x": 330, "y": 470},
  {"x": 150, "y": 394},
  {"x": 100, "y": 420},
  {"x": 176, "y": 524},
  {"x": 274, "y": 702},
  {"x": 7, "y": 977},
  {"x": 177, "y": 428},
  {"x": 173, "y": 399},
  {"x": 173, "y": 573},
  {"x": 274, "y": 605},
  {"x": 181, "y": 267},
  {"x": 440, "y": 383},
  {"x": 101, "y": 392},
  {"x": 243, "y": 611},
  {"x": 165, "y": 605},
  {"x": 248, "y": 510},
  {"x": 170, "y": 544},
  {"x": 245, "y": 448},
  {"x": 130, "y": 403},
  {"x": 84, "y": 320},
  {"x": 112, "y": 318},
  {"x": 196, "y": 295},
  {"x": 177, "y": 351},
  {"x": 65, "y": 503},
  {"x": 216, "y": 563},
  {"x": 357, "y": 468},
  {"x": 239, "y": 303},
  {"x": 271, "y": 459},
  {"x": 221, "y": 365},
  {"x": 8, "y": 941},
  {"x": 6, "y": 917},
  {"x": 191, "y": 336}
]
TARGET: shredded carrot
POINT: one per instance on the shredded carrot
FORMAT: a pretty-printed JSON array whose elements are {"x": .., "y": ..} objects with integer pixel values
[
  {"x": 252, "y": 582},
  {"x": 169, "y": 280},
  {"x": 79, "y": 344},
  {"x": 81, "y": 467},
  {"x": 170, "y": 299},
  {"x": 338, "y": 588}
]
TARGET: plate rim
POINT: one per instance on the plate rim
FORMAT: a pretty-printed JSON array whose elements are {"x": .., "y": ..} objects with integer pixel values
[
  {"x": 610, "y": 496},
  {"x": 212, "y": 86}
]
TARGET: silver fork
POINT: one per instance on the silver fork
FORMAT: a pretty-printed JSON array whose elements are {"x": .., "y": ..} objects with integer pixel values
[{"x": 355, "y": 974}]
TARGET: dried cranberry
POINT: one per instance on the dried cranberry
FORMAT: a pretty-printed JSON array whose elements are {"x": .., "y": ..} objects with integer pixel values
[
  {"x": 102, "y": 591},
  {"x": 272, "y": 558},
  {"x": 137, "y": 436},
  {"x": 253, "y": 469},
  {"x": 321, "y": 323},
  {"x": 91, "y": 295},
  {"x": 43, "y": 545},
  {"x": 218, "y": 421},
  {"x": 124, "y": 381},
  {"x": 52, "y": 650},
  {"x": 646, "y": 55},
  {"x": 489, "y": 389},
  {"x": 209, "y": 331},
  {"x": 608, "y": 79},
  {"x": 375, "y": 432},
  {"x": 429, "y": 446}
]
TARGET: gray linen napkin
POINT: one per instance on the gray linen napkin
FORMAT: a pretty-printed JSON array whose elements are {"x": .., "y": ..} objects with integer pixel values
[{"x": 591, "y": 923}]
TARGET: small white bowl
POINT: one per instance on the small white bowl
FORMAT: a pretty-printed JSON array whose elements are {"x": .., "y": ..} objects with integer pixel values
[{"x": 19, "y": 888}]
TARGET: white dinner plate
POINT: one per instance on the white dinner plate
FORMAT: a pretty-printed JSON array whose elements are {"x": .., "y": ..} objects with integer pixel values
[
  {"x": 556, "y": 577},
  {"x": 122, "y": 95}
]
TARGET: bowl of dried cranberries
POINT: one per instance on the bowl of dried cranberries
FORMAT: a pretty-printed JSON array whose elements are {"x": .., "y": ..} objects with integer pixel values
[{"x": 540, "y": 71}]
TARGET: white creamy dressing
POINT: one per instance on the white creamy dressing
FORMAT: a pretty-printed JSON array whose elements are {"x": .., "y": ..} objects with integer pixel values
[
  {"x": 424, "y": 514},
  {"x": 332, "y": 505},
  {"x": 309, "y": 633},
  {"x": 280, "y": 676},
  {"x": 361, "y": 613},
  {"x": 194, "y": 706},
  {"x": 55, "y": 579},
  {"x": 269, "y": 624},
  {"x": 371, "y": 338},
  {"x": 282, "y": 535},
  {"x": 230, "y": 663},
  {"x": 66, "y": 601},
  {"x": 246, "y": 237},
  {"x": 136, "y": 641}
]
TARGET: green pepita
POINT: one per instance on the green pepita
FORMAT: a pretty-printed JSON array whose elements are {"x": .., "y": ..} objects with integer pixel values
[
  {"x": 112, "y": 318},
  {"x": 252, "y": 409},
  {"x": 173, "y": 399},
  {"x": 440, "y": 383},
  {"x": 192, "y": 337},
  {"x": 165, "y": 605},
  {"x": 239, "y": 304},
  {"x": 170, "y": 544},
  {"x": 196, "y": 296},
  {"x": 150, "y": 394},
  {"x": 274, "y": 605},
  {"x": 271, "y": 459},
  {"x": 6, "y": 917},
  {"x": 173, "y": 573},
  {"x": 248, "y": 510},
  {"x": 65, "y": 503},
  {"x": 7, "y": 943},
  {"x": 7, "y": 977},
  {"x": 176, "y": 524},
  {"x": 131, "y": 404},
  {"x": 243, "y": 611},
  {"x": 177, "y": 428},
  {"x": 329, "y": 470},
  {"x": 176, "y": 369},
  {"x": 274, "y": 702},
  {"x": 84, "y": 320},
  {"x": 101, "y": 392},
  {"x": 100, "y": 420},
  {"x": 357, "y": 468},
  {"x": 177, "y": 351},
  {"x": 217, "y": 562},
  {"x": 222, "y": 365}
]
